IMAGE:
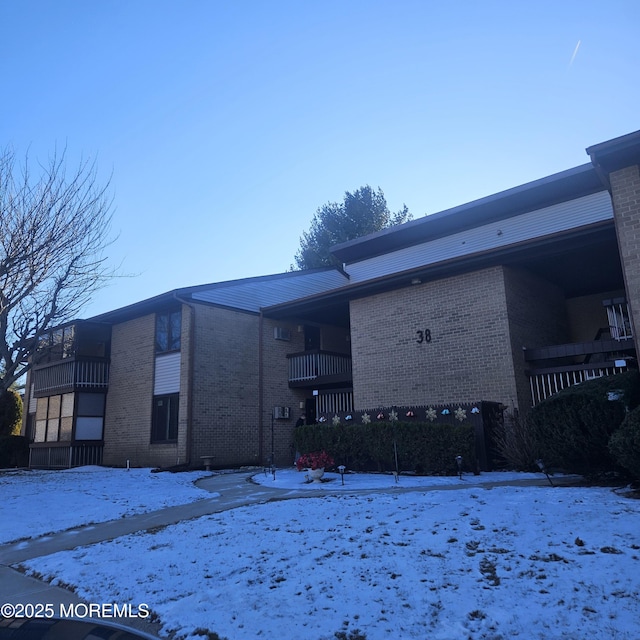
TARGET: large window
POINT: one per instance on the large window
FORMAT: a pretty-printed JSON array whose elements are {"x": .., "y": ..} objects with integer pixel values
[
  {"x": 165, "y": 418},
  {"x": 56, "y": 344},
  {"x": 90, "y": 416},
  {"x": 54, "y": 418},
  {"x": 168, "y": 326}
]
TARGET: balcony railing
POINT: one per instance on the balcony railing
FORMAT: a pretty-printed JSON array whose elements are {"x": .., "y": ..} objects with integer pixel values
[
  {"x": 545, "y": 383},
  {"x": 560, "y": 366},
  {"x": 334, "y": 401},
  {"x": 619, "y": 318},
  {"x": 70, "y": 374},
  {"x": 318, "y": 367},
  {"x": 65, "y": 455}
]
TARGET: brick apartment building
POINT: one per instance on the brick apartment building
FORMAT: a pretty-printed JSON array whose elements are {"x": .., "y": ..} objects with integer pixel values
[{"x": 506, "y": 299}]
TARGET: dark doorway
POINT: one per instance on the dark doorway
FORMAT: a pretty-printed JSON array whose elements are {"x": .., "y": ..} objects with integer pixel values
[
  {"x": 311, "y": 337},
  {"x": 310, "y": 410}
]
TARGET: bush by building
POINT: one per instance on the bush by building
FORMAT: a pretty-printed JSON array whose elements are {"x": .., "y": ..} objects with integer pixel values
[
  {"x": 571, "y": 429},
  {"x": 14, "y": 452},
  {"x": 418, "y": 447},
  {"x": 10, "y": 413},
  {"x": 625, "y": 444}
]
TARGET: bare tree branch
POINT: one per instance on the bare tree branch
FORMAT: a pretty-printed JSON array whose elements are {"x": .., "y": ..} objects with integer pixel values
[{"x": 53, "y": 235}]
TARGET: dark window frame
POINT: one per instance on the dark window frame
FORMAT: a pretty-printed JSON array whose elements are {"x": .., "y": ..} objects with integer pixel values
[{"x": 164, "y": 419}]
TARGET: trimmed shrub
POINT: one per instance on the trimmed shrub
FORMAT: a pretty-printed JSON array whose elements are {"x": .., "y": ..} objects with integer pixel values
[
  {"x": 625, "y": 444},
  {"x": 572, "y": 428},
  {"x": 420, "y": 447},
  {"x": 10, "y": 413},
  {"x": 14, "y": 452}
]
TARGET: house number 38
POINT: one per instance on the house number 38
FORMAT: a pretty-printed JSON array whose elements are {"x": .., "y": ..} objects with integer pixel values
[{"x": 423, "y": 336}]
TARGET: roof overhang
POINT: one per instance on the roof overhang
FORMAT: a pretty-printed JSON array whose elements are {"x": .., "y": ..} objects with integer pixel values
[
  {"x": 554, "y": 257},
  {"x": 615, "y": 154},
  {"x": 560, "y": 187}
]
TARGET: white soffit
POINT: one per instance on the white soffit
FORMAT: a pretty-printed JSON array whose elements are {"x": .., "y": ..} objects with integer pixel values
[{"x": 496, "y": 235}]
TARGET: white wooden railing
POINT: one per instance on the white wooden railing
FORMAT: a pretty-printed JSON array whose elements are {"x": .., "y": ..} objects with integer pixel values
[
  {"x": 71, "y": 374},
  {"x": 312, "y": 365},
  {"x": 333, "y": 402},
  {"x": 619, "y": 320},
  {"x": 546, "y": 383}
]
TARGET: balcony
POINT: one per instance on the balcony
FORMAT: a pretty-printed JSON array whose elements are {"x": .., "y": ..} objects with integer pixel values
[
  {"x": 557, "y": 367},
  {"x": 70, "y": 374},
  {"x": 319, "y": 368}
]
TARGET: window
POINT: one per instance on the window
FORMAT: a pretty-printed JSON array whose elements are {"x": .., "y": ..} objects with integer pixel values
[
  {"x": 90, "y": 418},
  {"x": 168, "y": 326},
  {"x": 164, "y": 427},
  {"x": 54, "y": 418},
  {"x": 56, "y": 344}
]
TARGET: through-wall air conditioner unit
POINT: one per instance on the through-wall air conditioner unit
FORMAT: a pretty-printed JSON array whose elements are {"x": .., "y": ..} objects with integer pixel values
[
  {"x": 281, "y": 413},
  {"x": 280, "y": 333}
]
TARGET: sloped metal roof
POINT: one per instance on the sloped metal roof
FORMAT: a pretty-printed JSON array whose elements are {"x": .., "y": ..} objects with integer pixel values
[
  {"x": 247, "y": 294},
  {"x": 252, "y": 294}
]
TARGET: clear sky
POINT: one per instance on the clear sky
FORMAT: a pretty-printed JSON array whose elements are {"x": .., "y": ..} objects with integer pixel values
[{"x": 226, "y": 124}]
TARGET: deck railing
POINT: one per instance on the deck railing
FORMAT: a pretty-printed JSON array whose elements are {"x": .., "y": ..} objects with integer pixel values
[
  {"x": 65, "y": 456},
  {"x": 70, "y": 374},
  {"x": 619, "y": 318},
  {"x": 557, "y": 367},
  {"x": 547, "y": 382},
  {"x": 333, "y": 402},
  {"x": 312, "y": 365}
]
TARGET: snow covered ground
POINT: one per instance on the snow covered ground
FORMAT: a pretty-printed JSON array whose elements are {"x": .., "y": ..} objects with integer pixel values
[
  {"x": 473, "y": 563},
  {"x": 86, "y": 495}
]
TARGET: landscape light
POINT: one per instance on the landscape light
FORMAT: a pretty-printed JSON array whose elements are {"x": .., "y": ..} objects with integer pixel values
[
  {"x": 543, "y": 468},
  {"x": 459, "y": 463}
]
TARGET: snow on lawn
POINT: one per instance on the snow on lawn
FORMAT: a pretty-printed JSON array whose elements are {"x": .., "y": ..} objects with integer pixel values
[
  {"x": 536, "y": 563},
  {"x": 35, "y": 503},
  {"x": 332, "y": 482}
]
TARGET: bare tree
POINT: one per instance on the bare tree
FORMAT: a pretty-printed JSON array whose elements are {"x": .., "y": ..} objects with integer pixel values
[{"x": 53, "y": 232}]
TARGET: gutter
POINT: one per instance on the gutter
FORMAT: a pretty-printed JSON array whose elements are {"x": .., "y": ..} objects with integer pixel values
[
  {"x": 190, "y": 374},
  {"x": 260, "y": 389}
]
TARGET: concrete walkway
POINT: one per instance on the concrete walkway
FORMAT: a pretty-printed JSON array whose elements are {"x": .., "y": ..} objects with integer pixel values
[{"x": 229, "y": 491}]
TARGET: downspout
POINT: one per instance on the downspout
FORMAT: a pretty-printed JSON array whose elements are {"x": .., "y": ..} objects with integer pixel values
[
  {"x": 190, "y": 374},
  {"x": 260, "y": 391}
]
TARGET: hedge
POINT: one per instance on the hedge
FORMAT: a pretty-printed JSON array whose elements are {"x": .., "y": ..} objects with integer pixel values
[
  {"x": 14, "y": 452},
  {"x": 624, "y": 445},
  {"x": 421, "y": 447},
  {"x": 572, "y": 428}
]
